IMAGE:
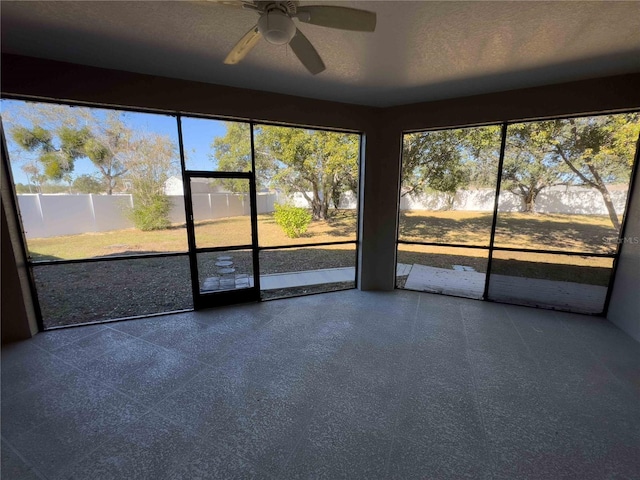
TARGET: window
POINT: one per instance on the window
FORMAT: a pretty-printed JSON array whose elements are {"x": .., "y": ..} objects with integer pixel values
[
  {"x": 550, "y": 237},
  {"x": 563, "y": 193},
  {"x": 307, "y": 197},
  {"x": 96, "y": 184},
  {"x": 446, "y": 209},
  {"x": 102, "y": 199}
]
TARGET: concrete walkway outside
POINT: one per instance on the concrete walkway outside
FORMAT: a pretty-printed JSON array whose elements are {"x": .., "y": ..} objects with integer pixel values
[
  {"x": 572, "y": 296},
  {"x": 309, "y": 277},
  {"x": 443, "y": 280},
  {"x": 577, "y": 297},
  {"x": 535, "y": 292},
  {"x": 315, "y": 277}
]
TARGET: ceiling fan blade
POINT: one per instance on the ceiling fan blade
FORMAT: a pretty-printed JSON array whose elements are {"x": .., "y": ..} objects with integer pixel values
[
  {"x": 338, "y": 17},
  {"x": 306, "y": 53},
  {"x": 244, "y": 46}
]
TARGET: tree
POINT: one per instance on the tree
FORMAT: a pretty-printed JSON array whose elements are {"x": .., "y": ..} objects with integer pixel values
[
  {"x": 22, "y": 188},
  {"x": 232, "y": 153},
  {"x": 59, "y": 136},
  {"x": 343, "y": 164},
  {"x": 87, "y": 184},
  {"x": 527, "y": 168},
  {"x": 57, "y": 160},
  {"x": 151, "y": 160},
  {"x": 319, "y": 165},
  {"x": 34, "y": 176},
  {"x": 52, "y": 187},
  {"x": 482, "y": 151},
  {"x": 597, "y": 151},
  {"x": 109, "y": 141},
  {"x": 433, "y": 160},
  {"x": 447, "y": 160}
]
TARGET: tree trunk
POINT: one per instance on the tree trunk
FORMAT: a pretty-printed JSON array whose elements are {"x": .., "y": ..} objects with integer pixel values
[
  {"x": 529, "y": 206},
  {"x": 109, "y": 181},
  {"x": 319, "y": 204},
  {"x": 335, "y": 197},
  {"x": 613, "y": 216},
  {"x": 597, "y": 183},
  {"x": 325, "y": 209},
  {"x": 602, "y": 188},
  {"x": 530, "y": 200},
  {"x": 451, "y": 198},
  {"x": 319, "y": 210}
]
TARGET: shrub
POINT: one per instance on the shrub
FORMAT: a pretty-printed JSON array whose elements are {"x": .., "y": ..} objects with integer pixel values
[
  {"x": 293, "y": 220},
  {"x": 150, "y": 212}
]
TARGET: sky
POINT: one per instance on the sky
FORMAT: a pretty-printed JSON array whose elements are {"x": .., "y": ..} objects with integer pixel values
[{"x": 198, "y": 135}]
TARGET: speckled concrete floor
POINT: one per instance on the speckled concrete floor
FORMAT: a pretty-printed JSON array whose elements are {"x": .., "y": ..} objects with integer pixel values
[{"x": 348, "y": 385}]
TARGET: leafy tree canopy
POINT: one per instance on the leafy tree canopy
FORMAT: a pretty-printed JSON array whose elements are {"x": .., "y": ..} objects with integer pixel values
[
  {"x": 153, "y": 158},
  {"x": 527, "y": 168},
  {"x": 87, "y": 184},
  {"x": 319, "y": 165},
  {"x": 597, "y": 151},
  {"x": 60, "y": 135},
  {"x": 447, "y": 160},
  {"x": 589, "y": 151}
]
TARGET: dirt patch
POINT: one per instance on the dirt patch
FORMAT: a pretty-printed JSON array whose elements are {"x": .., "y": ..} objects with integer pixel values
[{"x": 97, "y": 291}]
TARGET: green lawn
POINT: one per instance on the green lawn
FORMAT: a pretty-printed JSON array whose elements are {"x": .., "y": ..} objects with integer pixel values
[
  {"x": 518, "y": 230},
  {"x": 214, "y": 233},
  {"x": 538, "y": 231}
]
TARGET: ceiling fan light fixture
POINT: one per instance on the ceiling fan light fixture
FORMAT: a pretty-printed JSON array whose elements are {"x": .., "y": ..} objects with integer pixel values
[{"x": 276, "y": 27}]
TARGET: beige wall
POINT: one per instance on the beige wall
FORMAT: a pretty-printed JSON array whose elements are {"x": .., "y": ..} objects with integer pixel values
[
  {"x": 382, "y": 128},
  {"x": 65, "y": 81}
]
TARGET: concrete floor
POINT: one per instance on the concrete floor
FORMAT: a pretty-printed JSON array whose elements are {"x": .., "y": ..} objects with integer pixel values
[{"x": 397, "y": 385}]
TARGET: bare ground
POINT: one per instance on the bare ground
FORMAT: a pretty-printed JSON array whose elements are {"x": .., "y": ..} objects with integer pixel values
[{"x": 95, "y": 291}]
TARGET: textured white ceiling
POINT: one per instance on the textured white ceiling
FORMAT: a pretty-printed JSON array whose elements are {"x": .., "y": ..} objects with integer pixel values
[{"x": 420, "y": 51}]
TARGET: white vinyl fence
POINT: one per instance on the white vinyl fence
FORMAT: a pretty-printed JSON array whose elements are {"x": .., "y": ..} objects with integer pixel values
[
  {"x": 568, "y": 200},
  {"x": 54, "y": 215}
]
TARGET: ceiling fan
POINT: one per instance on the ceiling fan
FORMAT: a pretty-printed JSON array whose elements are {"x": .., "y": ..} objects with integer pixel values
[{"x": 277, "y": 27}]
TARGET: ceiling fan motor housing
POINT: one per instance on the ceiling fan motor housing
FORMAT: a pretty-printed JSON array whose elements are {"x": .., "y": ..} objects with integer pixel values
[{"x": 276, "y": 27}]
